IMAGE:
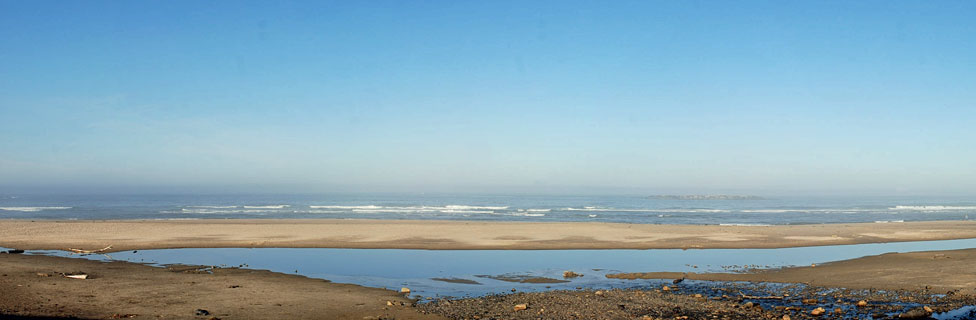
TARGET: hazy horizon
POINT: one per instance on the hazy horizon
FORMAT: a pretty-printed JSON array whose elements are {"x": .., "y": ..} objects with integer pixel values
[{"x": 752, "y": 98}]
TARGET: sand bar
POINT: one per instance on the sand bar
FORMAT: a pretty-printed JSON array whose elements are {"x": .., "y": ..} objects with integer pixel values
[{"x": 416, "y": 234}]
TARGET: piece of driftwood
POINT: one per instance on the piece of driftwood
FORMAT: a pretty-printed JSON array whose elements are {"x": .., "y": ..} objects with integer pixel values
[
  {"x": 76, "y": 276},
  {"x": 80, "y": 251}
]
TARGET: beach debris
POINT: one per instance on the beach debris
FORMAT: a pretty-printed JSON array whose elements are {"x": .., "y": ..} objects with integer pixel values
[
  {"x": 818, "y": 311},
  {"x": 124, "y": 316},
  {"x": 14, "y": 251},
  {"x": 862, "y": 303},
  {"x": 570, "y": 274},
  {"x": 82, "y": 251},
  {"x": 81, "y": 276},
  {"x": 41, "y": 274},
  {"x": 404, "y": 290},
  {"x": 520, "y": 307},
  {"x": 202, "y": 312}
]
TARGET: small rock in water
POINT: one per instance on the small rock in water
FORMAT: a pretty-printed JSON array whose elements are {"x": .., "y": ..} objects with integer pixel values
[
  {"x": 862, "y": 303},
  {"x": 678, "y": 280},
  {"x": 665, "y": 288},
  {"x": 818, "y": 311},
  {"x": 520, "y": 307},
  {"x": 927, "y": 309},
  {"x": 838, "y": 310},
  {"x": 917, "y": 313},
  {"x": 570, "y": 274},
  {"x": 404, "y": 290}
]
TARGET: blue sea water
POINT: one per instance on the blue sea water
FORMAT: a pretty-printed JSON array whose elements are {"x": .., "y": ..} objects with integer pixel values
[{"x": 626, "y": 209}]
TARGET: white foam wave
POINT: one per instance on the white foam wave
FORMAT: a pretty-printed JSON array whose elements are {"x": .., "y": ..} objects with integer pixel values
[
  {"x": 526, "y": 214},
  {"x": 277, "y": 206},
  {"x": 889, "y": 221},
  {"x": 32, "y": 209},
  {"x": 213, "y": 207},
  {"x": 933, "y": 208},
  {"x": 744, "y": 224},
  {"x": 345, "y": 207}
]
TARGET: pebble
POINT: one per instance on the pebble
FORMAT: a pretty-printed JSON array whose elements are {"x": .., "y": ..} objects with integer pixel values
[
  {"x": 570, "y": 274},
  {"x": 404, "y": 290},
  {"x": 665, "y": 288},
  {"x": 818, "y": 311},
  {"x": 520, "y": 307},
  {"x": 862, "y": 303}
]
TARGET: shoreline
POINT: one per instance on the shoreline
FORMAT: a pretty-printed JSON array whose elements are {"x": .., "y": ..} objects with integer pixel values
[
  {"x": 452, "y": 235},
  {"x": 181, "y": 291}
]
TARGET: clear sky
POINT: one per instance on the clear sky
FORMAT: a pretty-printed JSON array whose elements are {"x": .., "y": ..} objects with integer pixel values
[{"x": 763, "y": 97}]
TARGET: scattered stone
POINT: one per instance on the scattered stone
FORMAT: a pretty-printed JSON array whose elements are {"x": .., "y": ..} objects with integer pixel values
[
  {"x": 678, "y": 280},
  {"x": 598, "y": 292},
  {"x": 862, "y": 303},
  {"x": 404, "y": 290},
  {"x": 749, "y": 305},
  {"x": 786, "y": 317},
  {"x": 570, "y": 274},
  {"x": 389, "y": 303},
  {"x": 818, "y": 311},
  {"x": 927, "y": 309},
  {"x": 917, "y": 313},
  {"x": 202, "y": 312},
  {"x": 838, "y": 310},
  {"x": 665, "y": 288},
  {"x": 520, "y": 307}
]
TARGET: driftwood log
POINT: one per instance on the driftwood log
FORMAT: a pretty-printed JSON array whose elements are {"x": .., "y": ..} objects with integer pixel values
[{"x": 80, "y": 251}]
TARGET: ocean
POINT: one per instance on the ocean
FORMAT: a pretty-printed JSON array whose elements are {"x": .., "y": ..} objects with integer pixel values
[{"x": 472, "y": 207}]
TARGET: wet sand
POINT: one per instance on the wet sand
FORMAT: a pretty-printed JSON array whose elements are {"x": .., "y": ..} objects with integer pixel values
[
  {"x": 935, "y": 271},
  {"x": 32, "y": 286},
  {"x": 415, "y": 234}
]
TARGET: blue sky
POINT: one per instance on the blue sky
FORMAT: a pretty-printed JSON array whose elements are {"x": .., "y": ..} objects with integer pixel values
[{"x": 766, "y": 97}]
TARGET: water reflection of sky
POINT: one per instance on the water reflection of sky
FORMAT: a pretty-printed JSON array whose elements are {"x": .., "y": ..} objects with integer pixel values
[{"x": 393, "y": 268}]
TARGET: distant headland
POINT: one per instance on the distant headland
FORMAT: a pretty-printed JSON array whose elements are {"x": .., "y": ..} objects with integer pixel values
[{"x": 704, "y": 197}]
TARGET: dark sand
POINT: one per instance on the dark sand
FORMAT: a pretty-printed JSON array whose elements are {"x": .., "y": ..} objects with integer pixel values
[{"x": 33, "y": 286}]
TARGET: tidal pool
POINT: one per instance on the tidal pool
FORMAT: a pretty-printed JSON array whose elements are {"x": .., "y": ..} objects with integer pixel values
[{"x": 460, "y": 273}]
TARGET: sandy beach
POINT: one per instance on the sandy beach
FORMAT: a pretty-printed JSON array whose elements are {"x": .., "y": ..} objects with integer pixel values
[
  {"x": 34, "y": 288},
  {"x": 416, "y": 234}
]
